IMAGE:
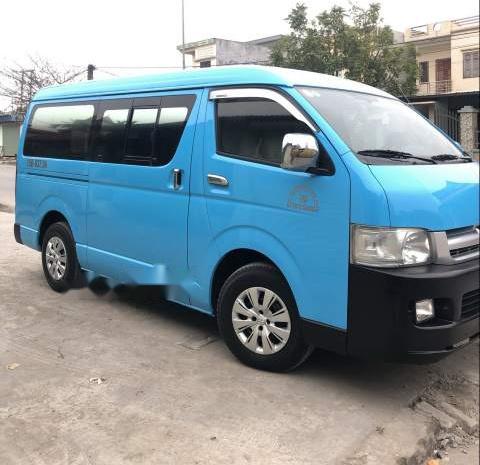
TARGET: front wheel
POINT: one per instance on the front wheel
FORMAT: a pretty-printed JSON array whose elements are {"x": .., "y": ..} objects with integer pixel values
[{"x": 258, "y": 319}]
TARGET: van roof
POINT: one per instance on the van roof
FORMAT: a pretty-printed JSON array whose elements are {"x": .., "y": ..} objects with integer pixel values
[{"x": 206, "y": 77}]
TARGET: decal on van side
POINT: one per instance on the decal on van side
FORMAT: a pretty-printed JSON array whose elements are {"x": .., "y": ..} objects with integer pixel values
[
  {"x": 37, "y": 163},
  {"x": 303, "y": 198}
]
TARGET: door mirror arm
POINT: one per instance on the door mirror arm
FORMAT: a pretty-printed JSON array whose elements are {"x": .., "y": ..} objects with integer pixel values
[{"x": 321, "y": 170}]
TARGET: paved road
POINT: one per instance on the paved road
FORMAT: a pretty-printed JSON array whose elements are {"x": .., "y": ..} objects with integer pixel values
[
  {"x": 7, "y": 185},
  {"x": 168, "y": 397}
]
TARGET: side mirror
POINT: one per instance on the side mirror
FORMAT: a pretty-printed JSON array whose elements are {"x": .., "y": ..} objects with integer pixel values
[{"x": 299, "y": 152}]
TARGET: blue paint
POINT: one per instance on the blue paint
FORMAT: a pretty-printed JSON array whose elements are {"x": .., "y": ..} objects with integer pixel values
[
  {"x": 132, "y": 227},
  {"x": 434, "y": 197},
  {"x": 202, "y": 78}
]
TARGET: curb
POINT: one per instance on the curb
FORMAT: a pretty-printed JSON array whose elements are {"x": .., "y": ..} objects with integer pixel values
[
  {"x": 411, "y": 438},
  {"x": 469, "y": 425},
  {"x": 445, "y": 421}
]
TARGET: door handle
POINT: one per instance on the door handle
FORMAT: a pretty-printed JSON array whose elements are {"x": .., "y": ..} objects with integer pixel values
[
  {"x": 177, "y": 178},
  {"x": 217, "y": 180}
]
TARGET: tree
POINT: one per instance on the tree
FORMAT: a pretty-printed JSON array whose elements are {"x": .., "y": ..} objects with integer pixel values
[
  {"x": 20, "y": 83},
  {"x": 352, "y": 43}
]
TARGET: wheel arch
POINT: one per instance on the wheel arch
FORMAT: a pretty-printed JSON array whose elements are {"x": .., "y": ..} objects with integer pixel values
[
  {"x": 232, "y": 261},
  {"x": 49, "y": 218}
]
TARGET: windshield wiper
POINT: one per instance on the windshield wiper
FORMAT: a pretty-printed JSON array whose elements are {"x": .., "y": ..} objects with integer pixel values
[
  {"x": 392, "y": 154},
  {"x": 449, "y": 156}
]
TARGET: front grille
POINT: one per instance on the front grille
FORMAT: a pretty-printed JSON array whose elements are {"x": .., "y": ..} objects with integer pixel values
[
  {"x": 471, "y": 303},
  {"x": 464, "y": 250},
  {"x": 463, "y": 243}
]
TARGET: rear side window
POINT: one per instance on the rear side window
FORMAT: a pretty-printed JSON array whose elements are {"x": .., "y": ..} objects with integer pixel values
[
  {"x": 60, "y": 131},
  {"x": 141, "y": 135},
  {"x": 111, "y": 135},
  {"x": 254, "y": 128},
  {"x": 144, "y": 133}
]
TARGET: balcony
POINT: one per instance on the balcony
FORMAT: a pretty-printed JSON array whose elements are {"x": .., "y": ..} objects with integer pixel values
[
  {"x": 428, "y": 31},
  {"x": 441, "y": 29},
  {"x": 465, "y": 23},
  {"x": 434, "y": 87}
]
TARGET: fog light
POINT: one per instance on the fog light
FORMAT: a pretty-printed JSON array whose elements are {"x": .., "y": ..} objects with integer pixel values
[{"x": 424, "y": 310}]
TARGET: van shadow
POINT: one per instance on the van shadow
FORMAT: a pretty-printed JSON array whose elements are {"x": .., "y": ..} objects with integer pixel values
[
  {"x": 401, "y": 381},
  {"x": 151, "y": 302}
]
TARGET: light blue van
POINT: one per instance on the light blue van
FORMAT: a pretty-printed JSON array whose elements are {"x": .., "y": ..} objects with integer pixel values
[{"x": 299, "y": 209}]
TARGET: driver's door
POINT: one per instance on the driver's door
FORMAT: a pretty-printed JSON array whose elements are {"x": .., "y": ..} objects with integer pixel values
[{"x": 298, "y": 220}]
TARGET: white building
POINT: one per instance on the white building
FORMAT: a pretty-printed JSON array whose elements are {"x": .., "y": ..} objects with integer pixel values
[
  {"x": 9, "y": 132},
  {"x": 217, "y": 52}
]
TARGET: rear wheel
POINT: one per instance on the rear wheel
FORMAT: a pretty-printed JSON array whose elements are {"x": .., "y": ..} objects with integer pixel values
[
  {"x": 259, "y": 321},
  {"x": 59, "y": 258}
]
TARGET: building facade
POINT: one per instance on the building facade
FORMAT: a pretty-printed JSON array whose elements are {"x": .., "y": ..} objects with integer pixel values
[
  {"x": 218, "y": 52},
  {"x": 448, "y": 77},
  {"x": 448, "y": 65},
  {"x": 9, "y": 133}
]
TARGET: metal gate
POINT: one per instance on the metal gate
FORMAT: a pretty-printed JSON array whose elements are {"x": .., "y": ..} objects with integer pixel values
[{"x": 448, "y": 122}]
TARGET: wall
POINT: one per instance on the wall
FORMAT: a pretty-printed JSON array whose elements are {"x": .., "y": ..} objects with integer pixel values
[
  {"x": 205, "y": 53},
  {"x": 9, "y": 133},
  {"x": 461, "y": 42},
  {"x": 230, "y": 52},
  {"x": 446, "y": 39},
  {"x": 431, "y": 53}
]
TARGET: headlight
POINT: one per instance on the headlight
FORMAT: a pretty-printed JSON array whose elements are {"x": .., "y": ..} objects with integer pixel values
[{"x": 389, "y": 247}]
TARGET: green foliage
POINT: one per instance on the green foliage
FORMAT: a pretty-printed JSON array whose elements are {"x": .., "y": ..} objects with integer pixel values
[{"x": 353, "y": 43}]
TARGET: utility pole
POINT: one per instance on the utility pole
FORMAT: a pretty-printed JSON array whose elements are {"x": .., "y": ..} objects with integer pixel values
[
  {"x": 183, "y": 34},
  {"x": 22, "y": 87},
  {"x": 90, "y": 70}
]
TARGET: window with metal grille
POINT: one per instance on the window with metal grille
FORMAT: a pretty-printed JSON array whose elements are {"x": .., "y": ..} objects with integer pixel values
[{"x": 470, "y": 64}]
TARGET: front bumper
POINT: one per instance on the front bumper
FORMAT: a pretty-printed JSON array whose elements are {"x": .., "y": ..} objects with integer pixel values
[{"x": 381, "y": 310}]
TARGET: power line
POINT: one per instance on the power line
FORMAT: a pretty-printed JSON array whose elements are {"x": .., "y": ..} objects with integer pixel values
[
  {"x": 107, "y": 72},
  {"x": 139, "y": 67}
]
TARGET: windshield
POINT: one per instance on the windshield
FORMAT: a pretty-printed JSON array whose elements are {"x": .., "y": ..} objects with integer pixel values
[{"x": 382, "y": 130}]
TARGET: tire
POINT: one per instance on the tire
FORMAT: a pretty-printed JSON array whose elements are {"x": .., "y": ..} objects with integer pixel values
[
  {"x": 59, "y": 254},
  {"x": 255, "y": 342}
]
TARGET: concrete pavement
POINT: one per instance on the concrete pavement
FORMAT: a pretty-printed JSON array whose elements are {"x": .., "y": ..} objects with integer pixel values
[{"x": 171, "y": 392}]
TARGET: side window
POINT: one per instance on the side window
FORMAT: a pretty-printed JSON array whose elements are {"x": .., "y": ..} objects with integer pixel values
[
  {"x": 110, "y": 143},
  {"x": 470, "y": 64},
  {"x": 254, "y": 128},
  {"x": 59, "y": 131},
  {"x": 141, "y": 132},
  {"x": 144, "y": 131},
  {"x": 174, "y": 113}
]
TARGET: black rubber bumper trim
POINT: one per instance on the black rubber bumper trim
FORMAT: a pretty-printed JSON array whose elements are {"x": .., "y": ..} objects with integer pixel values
[
  {"x": 16, "y": 233},
  {"x": 324, "y": 336},
  {"x": 381, "y": 310}
]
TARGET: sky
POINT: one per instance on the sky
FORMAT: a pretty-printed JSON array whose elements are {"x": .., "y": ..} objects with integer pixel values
[{"x": 116, "y": 33}]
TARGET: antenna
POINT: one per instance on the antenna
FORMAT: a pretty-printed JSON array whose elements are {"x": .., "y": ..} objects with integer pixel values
[{"x": 183, "y": 34}]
